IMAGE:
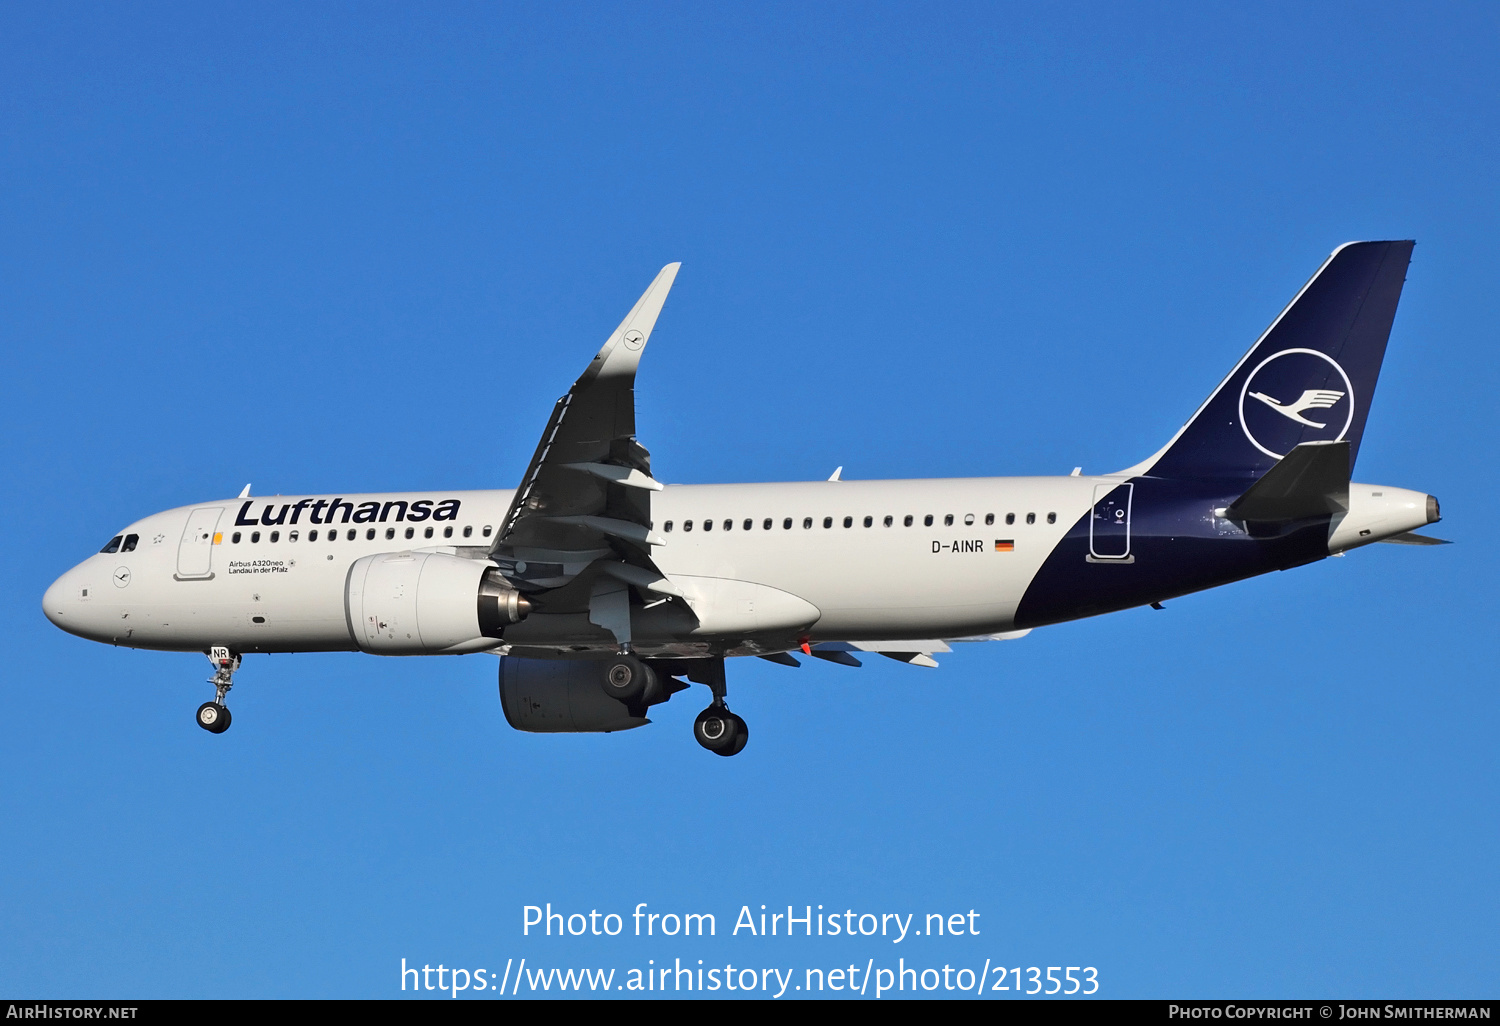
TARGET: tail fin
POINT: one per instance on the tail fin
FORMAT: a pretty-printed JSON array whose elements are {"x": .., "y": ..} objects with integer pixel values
[{"x": 1309, "y": 378}]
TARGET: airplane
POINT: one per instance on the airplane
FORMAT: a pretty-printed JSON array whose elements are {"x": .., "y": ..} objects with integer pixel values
[{"x": 605, "y": 592}]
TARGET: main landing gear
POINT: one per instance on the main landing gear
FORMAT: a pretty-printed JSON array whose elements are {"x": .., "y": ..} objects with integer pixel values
[
  {"x": 214, "y": 716},
  {"x": 716, "y": 728},
  {"x": 721, "y": 731}
]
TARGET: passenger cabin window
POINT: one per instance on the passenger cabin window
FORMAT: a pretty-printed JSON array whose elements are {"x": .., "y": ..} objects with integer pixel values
[
  {"x": 275, "y": 536},
  {"x": 311, "y": 535},
  {"x": 131, "y": 540},
  {"x": 353, "y": 533},
  {"x": 448, "y": 531},
  {"x": 254, "y": 537},
  {"x": 869, "y": 521},
  {"x": 292, "y": 536},
  {"x": 888, "y": 521},
  {"x": 848, "y": 521},
  {"x": 989, "y": 518},
  {"x": 687, "y": 525},
  {"x": 827, "y": 522},
  {"x": 948, "y": 520},
  {"x": 411, "y": 532},
  {"x": 468, "y": 532},
  {"x": 1010, "y": 518},
  {"x": 425, "y": 534},
  {"x": 667, "y": 527},
  {"x": 786, "y": 525},
  {"x": 235, "y": 537},
  {"x": 728, "y": 525},
  {"x": 1051, "y": 518},
  {"x": 390, "y": 532},
  {"x": 486, "y": 531},
  {"x": 370, "y": 534},
  {"x": 748, "y": 524},
  {"x": 906, "y": 521},
  {"x": 766, "y": 524},
  {"x": 968, "y": 519},
  {"x": 113, "y": 545},
  {"x": 708, "y": 525},
  {"x": 806, "y": 522},
  {"x": 1031, "y": 518},
  {"x": 927, "y": 520}
]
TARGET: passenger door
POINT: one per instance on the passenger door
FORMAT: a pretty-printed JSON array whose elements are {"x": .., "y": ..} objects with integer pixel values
[
  {"x": 1109, "y": 526},
  {"x": 195, "y": 552}
]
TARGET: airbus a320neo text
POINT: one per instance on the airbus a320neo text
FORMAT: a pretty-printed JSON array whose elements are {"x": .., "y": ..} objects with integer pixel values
[{"x": 604, "y": 592}]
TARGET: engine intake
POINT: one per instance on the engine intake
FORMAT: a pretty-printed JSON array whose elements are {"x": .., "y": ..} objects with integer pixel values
[{"x": 423, "y": 603}]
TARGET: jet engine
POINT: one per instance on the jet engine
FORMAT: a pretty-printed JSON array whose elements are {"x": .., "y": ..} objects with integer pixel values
[
  {"x": 559, "y": 696},
  {"x": 423, "y": 603}
]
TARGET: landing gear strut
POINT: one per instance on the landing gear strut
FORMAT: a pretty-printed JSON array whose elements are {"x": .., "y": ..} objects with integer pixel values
[
  {"x": 214, "y": 716},
  {"x": 716, "y": 728}
]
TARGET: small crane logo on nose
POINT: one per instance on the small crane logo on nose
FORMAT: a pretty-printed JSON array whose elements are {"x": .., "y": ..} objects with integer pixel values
[{"x": 122, "y": 576}]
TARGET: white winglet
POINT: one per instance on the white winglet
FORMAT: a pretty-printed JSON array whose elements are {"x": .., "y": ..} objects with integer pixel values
[
  {"x": 244, "y": 492},
  {"x": 835, "y": 475},
  {"x": 622, "y": 353}
]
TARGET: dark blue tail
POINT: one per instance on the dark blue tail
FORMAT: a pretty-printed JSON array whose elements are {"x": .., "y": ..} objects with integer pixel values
[{"x": 1309, "y": 378}]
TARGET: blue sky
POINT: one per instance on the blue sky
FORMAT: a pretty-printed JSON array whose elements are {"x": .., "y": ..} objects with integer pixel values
[{"x": 364, "y": 247}]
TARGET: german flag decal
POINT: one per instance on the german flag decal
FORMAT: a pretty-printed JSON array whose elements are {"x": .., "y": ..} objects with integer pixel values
[{"x": 1005, "y": 545}]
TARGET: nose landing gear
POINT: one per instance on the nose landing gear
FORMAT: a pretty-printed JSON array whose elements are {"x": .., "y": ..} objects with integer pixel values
[{"x": 214, "y": 716}]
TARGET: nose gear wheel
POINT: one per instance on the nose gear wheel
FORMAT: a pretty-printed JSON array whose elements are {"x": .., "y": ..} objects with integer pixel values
[{"x": 214, "y": 716}]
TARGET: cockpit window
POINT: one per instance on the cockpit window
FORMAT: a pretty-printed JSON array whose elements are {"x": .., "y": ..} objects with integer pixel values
[
  {"x": 114, "y": 544},
  {"x": 130, "y": 543}
]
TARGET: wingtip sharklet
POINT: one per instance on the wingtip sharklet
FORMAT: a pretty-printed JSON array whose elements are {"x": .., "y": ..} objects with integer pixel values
[{"x": 621, "y": 353}]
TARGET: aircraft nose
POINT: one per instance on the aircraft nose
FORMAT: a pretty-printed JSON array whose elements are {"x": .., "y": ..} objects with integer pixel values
[
  {"x": 65, "y": 602},
  {"x": 52, "y": 601}
]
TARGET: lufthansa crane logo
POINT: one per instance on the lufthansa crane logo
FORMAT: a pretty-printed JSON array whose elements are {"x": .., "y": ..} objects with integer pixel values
[
  {"x": 634, "y": 339},
  {"x": 1299, "y": 395}
]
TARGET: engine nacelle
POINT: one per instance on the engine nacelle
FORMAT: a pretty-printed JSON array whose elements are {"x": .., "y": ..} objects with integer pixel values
[
  {"x": 422, "y": 603},
  {"x": 561, "y": 696}
]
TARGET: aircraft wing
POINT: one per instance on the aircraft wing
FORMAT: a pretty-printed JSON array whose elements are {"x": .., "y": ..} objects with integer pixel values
[
  {"x": 917, "y": 653},
  {"x": 584, "y": 502}
]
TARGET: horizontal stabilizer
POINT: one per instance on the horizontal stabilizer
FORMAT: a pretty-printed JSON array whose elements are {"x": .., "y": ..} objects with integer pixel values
[
  {"x": 1311, "y": 481},
  {"x": 1002, "y": 636},
  {"x": 1412, "y": 538}
]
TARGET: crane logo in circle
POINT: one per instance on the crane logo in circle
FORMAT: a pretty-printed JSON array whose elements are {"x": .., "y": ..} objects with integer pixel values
[
  {"x": 634, "y": 339},
  {"x": 1296, "y": 395}
]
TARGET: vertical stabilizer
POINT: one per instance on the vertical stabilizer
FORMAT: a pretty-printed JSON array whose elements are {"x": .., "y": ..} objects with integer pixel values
[{"x": 1309, "y": 378}]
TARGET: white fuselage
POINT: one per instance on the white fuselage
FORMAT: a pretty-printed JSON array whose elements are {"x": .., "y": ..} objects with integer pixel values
[
  {"x": 945, "y": 579},
  {"x": 938, "y": 559}
]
